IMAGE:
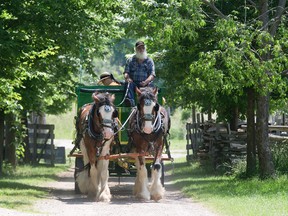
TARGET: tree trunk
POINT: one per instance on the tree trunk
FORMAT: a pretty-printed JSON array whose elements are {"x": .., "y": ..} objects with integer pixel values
[
  {"x": 235, "y": 119},
  {"x": 27, "y": 154},
  {"x": 1, "y": 140},
  {"x": 266, "y": 165},
  {"x": 10, "y": 148},
  {"x": 193, "y": 114},
  {"x": 251, "y": 147},
  {"x": 209, "y": 114}
]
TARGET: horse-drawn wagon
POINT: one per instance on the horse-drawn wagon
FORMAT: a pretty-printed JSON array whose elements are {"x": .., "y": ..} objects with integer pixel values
[{"x": 112, "y": 140}]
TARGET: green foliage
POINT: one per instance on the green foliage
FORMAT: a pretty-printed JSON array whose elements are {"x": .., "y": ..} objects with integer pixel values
[
  {"x": 41, "y": 54},
  {"x": 165, "y": 22},
  {"x": 178, "y": 128},
  {"x": 279, "y": 151},
  {"x": 212, "y": 61},
  {"x": 185, "y": 115},
  {"x": 42, "y": 46}
]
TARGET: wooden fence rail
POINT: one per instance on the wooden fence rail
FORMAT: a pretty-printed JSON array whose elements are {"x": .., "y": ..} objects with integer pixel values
[
  {"x": 41, "y": 143},
  {"x": 215, "y": 141}
]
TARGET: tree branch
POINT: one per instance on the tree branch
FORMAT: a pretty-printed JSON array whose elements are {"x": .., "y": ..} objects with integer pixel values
[
  {"x": 252, "y": 3},
  {"x": 279, "y": 12},
  {"x": 263, "y": 9},
  {"x": 213, "y": 7}
]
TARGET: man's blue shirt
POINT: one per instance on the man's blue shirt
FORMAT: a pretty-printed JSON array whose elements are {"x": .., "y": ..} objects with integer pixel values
[{"x": 139, "y": 72}]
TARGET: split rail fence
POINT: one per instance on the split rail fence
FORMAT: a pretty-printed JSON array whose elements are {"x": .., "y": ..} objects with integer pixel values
[
  {"x": 214, "y": 141},
  {"x": 41, "y": 143}
]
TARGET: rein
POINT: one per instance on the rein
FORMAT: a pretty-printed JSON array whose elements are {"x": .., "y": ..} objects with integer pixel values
[
  {"x": 125, "y": 96},
  {"x": 120, "y": 129}
]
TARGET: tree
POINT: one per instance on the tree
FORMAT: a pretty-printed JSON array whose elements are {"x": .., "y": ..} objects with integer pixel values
[
  {"x": 43, "y": 44},
  {"x": 219, "y": 52}
]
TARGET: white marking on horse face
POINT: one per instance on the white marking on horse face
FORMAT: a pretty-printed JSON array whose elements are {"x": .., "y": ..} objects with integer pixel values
[
  {"x": 106, "y": 112},
  {"x": 147, "y": 109}
]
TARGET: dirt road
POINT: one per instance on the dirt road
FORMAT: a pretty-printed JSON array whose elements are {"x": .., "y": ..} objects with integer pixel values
[{"x": 64, "y": 201}]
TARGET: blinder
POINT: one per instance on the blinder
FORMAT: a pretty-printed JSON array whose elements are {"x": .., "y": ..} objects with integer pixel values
[
  {"x": 156, "y": 107},
  {"x": 103, "y": 121},
  {"x": 115, "y": 114}
]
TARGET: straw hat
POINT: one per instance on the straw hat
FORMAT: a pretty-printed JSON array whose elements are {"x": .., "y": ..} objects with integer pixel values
[{"x": 105, "y": 75}]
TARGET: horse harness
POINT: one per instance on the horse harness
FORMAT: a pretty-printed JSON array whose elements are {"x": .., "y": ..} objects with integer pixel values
[
  {"x": 95, "y": 128},
  {"x": 158, "y": 127}
]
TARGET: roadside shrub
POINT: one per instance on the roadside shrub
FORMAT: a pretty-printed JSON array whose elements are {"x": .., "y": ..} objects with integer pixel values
[
  {"x": 279, "y": 151},
  {"x": 178, "y": 128},
  {"x": 8, "y": 169},
  {"x": 239, "y": 169},
  {"x": 177, "y": 133},
  {"x": 185, "y": 115}
]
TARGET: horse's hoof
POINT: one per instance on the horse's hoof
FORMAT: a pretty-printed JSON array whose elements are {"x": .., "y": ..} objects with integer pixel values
[
  {"x": 106, "y": 200},
  {"x": 142, "y": 198},
  {"x": 156, "y": 197}
]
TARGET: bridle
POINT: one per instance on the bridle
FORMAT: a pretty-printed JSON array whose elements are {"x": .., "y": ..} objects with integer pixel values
[
  {"x": 96, "y": 133},
  {"x": 155, "y": 119}
]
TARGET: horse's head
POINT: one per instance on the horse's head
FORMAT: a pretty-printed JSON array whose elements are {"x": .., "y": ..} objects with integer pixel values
[
  {"x": 148, "y": 108},
  {"x": 106, "y": 112}
]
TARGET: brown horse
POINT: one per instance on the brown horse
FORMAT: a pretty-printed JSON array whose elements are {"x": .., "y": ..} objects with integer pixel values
[
  {"x": 95, "y": 127},
  {"x": 148, "y": 128}
]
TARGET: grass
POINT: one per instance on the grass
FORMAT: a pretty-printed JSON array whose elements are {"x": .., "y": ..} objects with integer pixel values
[
  {"x": 178, "y": 145},
  {"x": 64, "y": 124},
  {"x": 227, "y": 195},
  {"x": 21, "y": 188}
]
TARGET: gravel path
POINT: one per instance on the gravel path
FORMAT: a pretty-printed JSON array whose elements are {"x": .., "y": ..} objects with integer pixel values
[{"x": 64, "y": 201}]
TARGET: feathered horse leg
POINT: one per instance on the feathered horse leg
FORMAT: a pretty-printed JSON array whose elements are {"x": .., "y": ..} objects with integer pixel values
[
  {"x": 141, "y": 189},
  {"x": 103, "y": 175},
  {"x": 85, "y": 178},
  {"x": 156, "y": 189}
]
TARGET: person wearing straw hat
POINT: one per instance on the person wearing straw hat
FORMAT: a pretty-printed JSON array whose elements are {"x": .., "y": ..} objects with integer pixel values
[{"x": 108, "y": 79}]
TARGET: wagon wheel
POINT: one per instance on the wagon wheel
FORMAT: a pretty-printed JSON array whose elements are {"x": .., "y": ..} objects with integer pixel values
[{"x": 79, "y": 164}]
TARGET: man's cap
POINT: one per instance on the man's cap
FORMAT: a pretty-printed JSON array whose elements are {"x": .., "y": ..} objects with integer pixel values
[{"x": 139, "y": 43}]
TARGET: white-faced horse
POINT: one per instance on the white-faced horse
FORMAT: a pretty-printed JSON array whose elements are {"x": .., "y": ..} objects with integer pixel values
[
  {"x": 95, "y": 126},
  {"x": 148, "y": 128}
]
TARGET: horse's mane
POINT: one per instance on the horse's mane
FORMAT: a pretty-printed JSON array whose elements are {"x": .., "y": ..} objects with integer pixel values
[
  {"x": 147, "y": 93},
  {"x": 104, "y": 98}
]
